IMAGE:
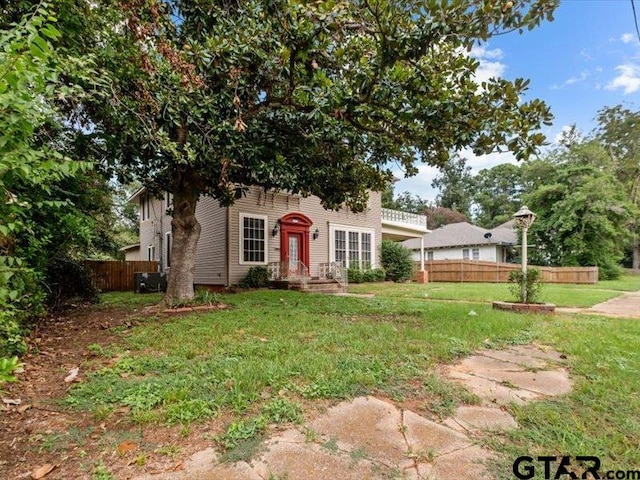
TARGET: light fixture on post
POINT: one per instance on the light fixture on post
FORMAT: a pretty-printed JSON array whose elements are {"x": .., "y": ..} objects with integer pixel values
[
  {"x": 316, "y": 234},
  {"x": 274, "y": 231},
  {"x": 524, "y": 218}
]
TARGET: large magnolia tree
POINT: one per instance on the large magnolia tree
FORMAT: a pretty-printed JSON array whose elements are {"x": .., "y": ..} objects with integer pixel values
[{"x": 321, "y": 98}]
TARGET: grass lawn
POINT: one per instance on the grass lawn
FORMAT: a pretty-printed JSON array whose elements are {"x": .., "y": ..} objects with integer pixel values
[
  {"x": 562, "y": 295},
  {"x": 272, "y": 354}
]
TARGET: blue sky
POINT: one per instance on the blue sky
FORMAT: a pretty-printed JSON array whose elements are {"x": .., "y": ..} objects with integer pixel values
[{"x": 586, "y": 59}]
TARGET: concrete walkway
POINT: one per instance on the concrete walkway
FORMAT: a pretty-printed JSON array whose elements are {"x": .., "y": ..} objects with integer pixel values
[
  {"x": 625, "y": 306},
  {"x": 370, "y": 438}
]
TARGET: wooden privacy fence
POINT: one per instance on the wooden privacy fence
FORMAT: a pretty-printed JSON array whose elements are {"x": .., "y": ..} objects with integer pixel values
[
  {"x": 479, "y": 271},
  {"x": 117, "y": 276}
]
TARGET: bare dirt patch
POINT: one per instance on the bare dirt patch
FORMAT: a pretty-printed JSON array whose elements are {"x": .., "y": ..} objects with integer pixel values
[{"x": 37, "y": 429}]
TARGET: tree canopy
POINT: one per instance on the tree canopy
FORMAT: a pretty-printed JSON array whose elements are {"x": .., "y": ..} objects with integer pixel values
[{"x": 208, "y": 97}]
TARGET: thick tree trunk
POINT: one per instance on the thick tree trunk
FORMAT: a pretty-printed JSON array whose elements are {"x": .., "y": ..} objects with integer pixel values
[
  {"x": 636, "y": 255},
  {"x": 185, "y": 233}
]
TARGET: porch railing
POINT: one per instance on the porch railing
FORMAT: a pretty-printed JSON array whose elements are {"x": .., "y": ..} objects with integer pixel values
[
  {"x": 334, "y": 271},
  {"x": 404, "y": 217},
  {"x": 289, "y": 271}
]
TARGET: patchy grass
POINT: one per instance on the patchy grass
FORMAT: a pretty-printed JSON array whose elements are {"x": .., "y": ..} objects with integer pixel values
[
  {"x": 129, "y": 300},
  {"x": 562, "y": 295},
  {"x": 601, "y": 416},
  {"x": 272, "y": 352},
  {"x": 188, "y": 368}
]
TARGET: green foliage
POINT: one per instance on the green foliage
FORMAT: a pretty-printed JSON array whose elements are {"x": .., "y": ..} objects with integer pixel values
[
  {"x": 249, "y": 96},
  {"x": 526, "y": 287},
  {"x": 497, "y": 194},
  {"x": 7, "y": 367},
  {"x": 583, "y": 211},
  {"x": 50, "y": 205},
  {"x": 69, "y": 279},
  {"x": 282, "y": 410},
  {"x": 397, "y": 261},
  {"x": 257, "y": 277},
  {"x": 367, "y": 275},
  {"x": 456, "y": 186}
]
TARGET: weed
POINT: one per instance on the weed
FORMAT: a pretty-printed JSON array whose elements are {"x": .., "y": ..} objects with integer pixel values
[
  {"x": 242, "y": 430},
  {"x": 187, "y": 411},
  {"x": 101, "y": 473},
  {"x": 331, "y": 445},
  {"x": 310, "y": 435},
  {"x": 171, "y": 451},
  {"x": 282, "y": 410}
]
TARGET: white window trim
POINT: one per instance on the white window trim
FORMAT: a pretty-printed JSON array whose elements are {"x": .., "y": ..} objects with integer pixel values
[
  {"x": 351, "y": 228},
  {"x": 473, "y": 254},
  {"x": 167, "y": 247},
  {"x": 241, "y": 218},
  {"x": 143, "y": 204},
  {"x": 468, "y": 256},
  {"x": 168, "y": 200},
  {"x": 429, "y": 255},
  {"x": 151, "y": 253}
]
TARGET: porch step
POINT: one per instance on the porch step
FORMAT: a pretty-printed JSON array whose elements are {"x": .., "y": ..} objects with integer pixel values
[{"x": 312, "y": 286}]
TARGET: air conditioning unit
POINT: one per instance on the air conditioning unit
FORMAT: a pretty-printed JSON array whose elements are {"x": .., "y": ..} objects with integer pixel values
[{"x": 146, "y": 282}]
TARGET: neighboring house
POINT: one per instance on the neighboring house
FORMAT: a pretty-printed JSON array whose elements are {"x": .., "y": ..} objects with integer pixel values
[
  {"x": 283, "y": 232},
  {"x": 131, "y": 252},
  {"x": 465, "y": 241}
]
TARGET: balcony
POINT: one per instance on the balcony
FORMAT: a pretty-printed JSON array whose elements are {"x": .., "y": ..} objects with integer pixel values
[{"x": 398, "y": 225}]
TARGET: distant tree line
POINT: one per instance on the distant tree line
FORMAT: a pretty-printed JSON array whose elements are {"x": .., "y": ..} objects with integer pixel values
[{"x": 585, "y": 193}]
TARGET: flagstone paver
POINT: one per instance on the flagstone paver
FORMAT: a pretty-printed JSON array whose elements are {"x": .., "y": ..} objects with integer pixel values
[{"x": 371, "y": 438}]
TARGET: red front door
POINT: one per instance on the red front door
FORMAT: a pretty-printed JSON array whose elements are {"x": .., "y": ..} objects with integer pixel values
[{"x": 294, "y": 239}]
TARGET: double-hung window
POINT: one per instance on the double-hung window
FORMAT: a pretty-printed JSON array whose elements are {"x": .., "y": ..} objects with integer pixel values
[
  {"x": 475, "y": 254},
  {"x": 253, "y": 239},
  {"x": 350, "y": 246},
  {"x": 465, "y": 254},
  {"x": 145, "y": 207}
]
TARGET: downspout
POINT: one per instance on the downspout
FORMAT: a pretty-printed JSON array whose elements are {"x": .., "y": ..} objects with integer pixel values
[{"x": 226, "y": 247}]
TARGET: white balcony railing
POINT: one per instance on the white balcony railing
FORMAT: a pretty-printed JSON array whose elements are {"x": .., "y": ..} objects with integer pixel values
[{"x": 398, "y": 216}]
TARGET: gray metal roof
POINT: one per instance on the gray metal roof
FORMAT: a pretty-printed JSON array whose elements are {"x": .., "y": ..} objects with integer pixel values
[{"x": 464, "y": 234}]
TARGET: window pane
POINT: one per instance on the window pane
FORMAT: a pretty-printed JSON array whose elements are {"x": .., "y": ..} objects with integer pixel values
[
  {"x": 254, "y": 244},
  {"x": 341, "y": 246},
  {"x": 354, "y": 250},
  {"x": 366, "y": 250}
]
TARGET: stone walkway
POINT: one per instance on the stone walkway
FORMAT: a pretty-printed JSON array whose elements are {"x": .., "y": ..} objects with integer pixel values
[
  {"x": 369, "y": 438},
  {"x": 624, "y": 306}
]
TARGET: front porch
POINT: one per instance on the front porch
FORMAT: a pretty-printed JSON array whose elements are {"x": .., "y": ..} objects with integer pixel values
[
  {"x": 398, "y": 226},
  {"x": 294, "y": 275}
]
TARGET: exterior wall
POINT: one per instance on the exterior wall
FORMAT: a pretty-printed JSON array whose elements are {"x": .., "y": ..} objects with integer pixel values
[
  {"x": 132, "y": 255},
  {"x": 275, "y": 205},
  {"x": 218, "y": 262},
  {"x": 488, "y": 253},
  {"x": 153, "y": 232},
  {"x": 211, "y": 252}
]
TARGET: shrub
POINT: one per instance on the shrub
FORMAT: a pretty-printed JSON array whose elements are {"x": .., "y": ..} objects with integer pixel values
[
  {"x": 526, "y": 287},
  {"x": 354, "y": 275},
  {"x": 397, "y": 261},
  {"x": 257, "y": 277},
  {"x": 68, "y": 279},
  {"x": 366, "y": 276}
]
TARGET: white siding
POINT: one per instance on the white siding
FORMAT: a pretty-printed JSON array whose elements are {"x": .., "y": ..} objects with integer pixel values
[
  {"x": 275, "y": 205},
  {"x": 488, "y": 253},
  {"x": 211, "y": 256},
  {"x": 152, "y": 232},
  {"x": 217, "y": 254}
]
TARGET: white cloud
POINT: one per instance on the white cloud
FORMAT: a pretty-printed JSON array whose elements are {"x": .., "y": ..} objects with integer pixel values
[
  {"x": 482, "y": 52},
  {"x": 489, "y": 66},
  {"x": 628, "y": 79},
  {"x": 627, "y": 37},
  {"x": 582, "y": 77}
]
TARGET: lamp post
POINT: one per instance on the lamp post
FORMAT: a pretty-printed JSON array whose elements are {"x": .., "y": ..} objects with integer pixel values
[{"x": 524, "y": 218}]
